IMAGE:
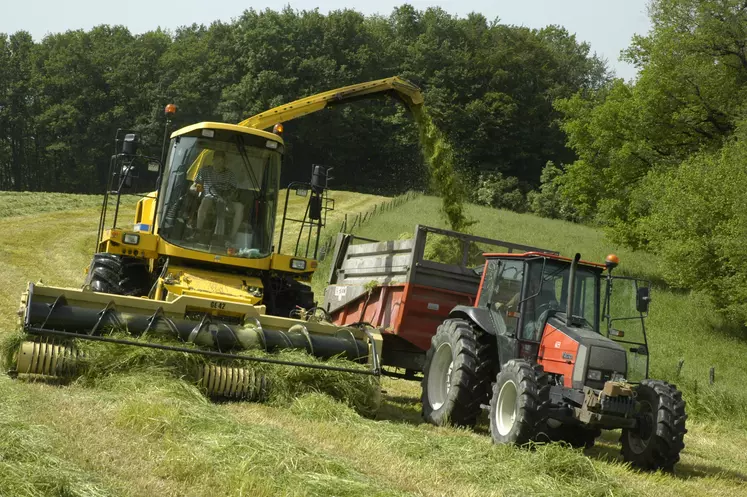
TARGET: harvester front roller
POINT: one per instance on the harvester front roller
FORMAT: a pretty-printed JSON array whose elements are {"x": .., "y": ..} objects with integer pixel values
[
  {"x": 234, "y": 383},
  {"x": 46, "y": 359}
]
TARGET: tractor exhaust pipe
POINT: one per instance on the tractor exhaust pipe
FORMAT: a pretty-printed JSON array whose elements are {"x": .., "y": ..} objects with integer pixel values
[{"x": 571, "y": 290}]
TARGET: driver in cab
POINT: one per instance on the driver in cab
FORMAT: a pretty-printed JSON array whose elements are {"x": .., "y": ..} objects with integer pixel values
[{"x": 217, "y": 182}]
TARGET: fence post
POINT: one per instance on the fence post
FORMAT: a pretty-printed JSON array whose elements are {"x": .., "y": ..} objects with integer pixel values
[{"x": 712, "y": 375}]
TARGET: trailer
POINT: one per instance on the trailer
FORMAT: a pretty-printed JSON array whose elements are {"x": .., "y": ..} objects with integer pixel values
[{"x": 406, "y": 288}]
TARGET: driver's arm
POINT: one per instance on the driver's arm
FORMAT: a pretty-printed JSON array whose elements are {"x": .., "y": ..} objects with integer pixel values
[{"x": 199, "y": 181}]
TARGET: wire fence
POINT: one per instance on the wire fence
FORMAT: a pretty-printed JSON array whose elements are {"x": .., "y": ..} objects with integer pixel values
[{"x": 355, "y": 221}]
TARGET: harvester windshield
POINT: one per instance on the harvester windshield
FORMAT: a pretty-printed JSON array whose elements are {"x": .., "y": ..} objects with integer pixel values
[{"x": 220, "y": 193}]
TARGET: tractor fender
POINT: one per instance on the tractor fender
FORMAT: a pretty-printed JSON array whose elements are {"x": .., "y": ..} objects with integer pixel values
[
  {"x": 507, "y": 344},
  {"x": 479, "y": 316}
]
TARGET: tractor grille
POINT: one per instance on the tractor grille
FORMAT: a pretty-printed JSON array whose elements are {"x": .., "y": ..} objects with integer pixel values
[{"x": 608, "y": 361}]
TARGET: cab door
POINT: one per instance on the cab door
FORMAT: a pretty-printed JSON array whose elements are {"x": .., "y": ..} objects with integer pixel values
[
  {"x": 625, "y": 310},
  {"x": 500, "y": 293}
]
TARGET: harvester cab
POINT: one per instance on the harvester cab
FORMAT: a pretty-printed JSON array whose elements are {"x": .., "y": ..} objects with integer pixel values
[{"x": 566, "y": 358}]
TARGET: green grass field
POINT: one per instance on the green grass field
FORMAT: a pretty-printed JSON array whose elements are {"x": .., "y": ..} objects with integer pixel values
[{"x": 146, "y": 434}]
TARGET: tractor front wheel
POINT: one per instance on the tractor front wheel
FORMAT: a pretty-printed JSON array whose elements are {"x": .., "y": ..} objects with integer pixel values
[
  {"x": 656, "y": 442},
  {"x": 457, "y": 373},
  {"x": 519, "y": 407}
]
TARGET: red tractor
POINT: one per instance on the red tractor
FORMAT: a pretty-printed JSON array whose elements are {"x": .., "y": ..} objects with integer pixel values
[{"x": 535, "y": 335}]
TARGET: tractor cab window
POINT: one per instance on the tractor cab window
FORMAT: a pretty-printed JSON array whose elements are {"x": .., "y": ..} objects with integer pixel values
[
  {"x": 547, "y": 294},
  {"x": 220, "y": 195},
  {"x": 501, "y": 291}
]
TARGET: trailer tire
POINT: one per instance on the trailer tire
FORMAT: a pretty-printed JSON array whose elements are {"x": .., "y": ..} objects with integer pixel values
[
  {"x": 457, "y": 373},
  {"x": 119, "y": 275},
  {"x": 657, "y": 441},
  {"x": 519, "y": 407}
]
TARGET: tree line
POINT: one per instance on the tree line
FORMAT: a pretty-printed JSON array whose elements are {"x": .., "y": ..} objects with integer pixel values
[
  {"x": 488, "y": 86},
  {"x": 661, "y": 161}
]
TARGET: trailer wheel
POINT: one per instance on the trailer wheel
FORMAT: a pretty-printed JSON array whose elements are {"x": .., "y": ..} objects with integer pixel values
[
  {"x": 659, "y": 437},
  {"x": 519, "y": 407},
  {"x": 119, "y": 275},
  {"x": 457, "y": 374}
]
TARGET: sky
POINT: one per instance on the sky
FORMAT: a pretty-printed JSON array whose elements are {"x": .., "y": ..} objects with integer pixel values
[{"x": 607, "y": 25}]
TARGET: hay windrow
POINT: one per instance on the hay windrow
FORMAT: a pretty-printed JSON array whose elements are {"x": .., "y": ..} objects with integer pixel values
[{"x": 103, "y": 362}]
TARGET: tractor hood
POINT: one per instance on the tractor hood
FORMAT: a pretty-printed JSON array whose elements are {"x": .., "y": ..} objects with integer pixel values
[{"x": 590, "y": 358}]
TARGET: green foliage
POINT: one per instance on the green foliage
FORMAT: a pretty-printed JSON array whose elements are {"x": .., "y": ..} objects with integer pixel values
[
  {"x": 489, "y": 88},
  {"x": 699, "y": 225},
  {"x": 549, "y": 201},
  {"x": 660, "y": 159},
  {"x": 495, "y": 190}
]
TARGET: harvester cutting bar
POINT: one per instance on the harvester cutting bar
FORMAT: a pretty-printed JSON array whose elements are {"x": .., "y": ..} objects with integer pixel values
[{"x": 47, "y": 311}]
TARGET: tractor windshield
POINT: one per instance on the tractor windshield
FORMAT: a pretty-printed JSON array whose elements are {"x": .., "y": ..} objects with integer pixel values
[
  {"x": 548, "y": 291},
  {"x": 220, "y": 194}
]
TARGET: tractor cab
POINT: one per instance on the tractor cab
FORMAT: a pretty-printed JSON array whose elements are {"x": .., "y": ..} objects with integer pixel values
[{"x": 548, "y": 309}]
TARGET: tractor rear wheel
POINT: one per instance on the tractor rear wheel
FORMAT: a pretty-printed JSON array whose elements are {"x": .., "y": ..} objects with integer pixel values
[
  {"x": 118, "y": 274},
  {"x": 457, "y": 374},
  {"x": 659, "y": 437},
  {"x": 519, "y": 407}
]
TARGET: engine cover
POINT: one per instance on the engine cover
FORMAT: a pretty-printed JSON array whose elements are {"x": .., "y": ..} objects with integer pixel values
[{"x": 571, "y": 351}]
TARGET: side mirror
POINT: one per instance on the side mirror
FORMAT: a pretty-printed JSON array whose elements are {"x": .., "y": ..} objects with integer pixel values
[
  {"x": 154, "y": 167},
  {"x": 642, "y": 299},
  {"x": 129, "y": 144}
]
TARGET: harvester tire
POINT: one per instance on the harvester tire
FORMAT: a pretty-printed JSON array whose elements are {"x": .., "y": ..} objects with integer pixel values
[
  {"x": 519, "y": 407},
  {"x": 574, "y": 435},
  {"x": 457, "y": 374},
  {"x": 119, "y": 275},
  {"x": 658, "y": 439}
]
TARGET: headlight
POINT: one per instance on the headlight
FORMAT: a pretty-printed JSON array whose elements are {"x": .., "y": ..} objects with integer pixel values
[
  {"x": 131, "y": 239},
  {"x": 298, "y": 264},
  {"x": 594, "y": 374}
]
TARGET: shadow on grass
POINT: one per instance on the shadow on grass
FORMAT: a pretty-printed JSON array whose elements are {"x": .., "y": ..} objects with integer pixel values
[
  {"x": 607, "y": 449},
  {"x": 400, "y": 409}
]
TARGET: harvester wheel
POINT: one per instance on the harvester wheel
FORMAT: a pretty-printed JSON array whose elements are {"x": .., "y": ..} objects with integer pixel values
[
  {"x": 457, "y": 374},
  {"x": 519, "y": 407},
  {"x": 574, "y": 435},
  {"x": 117, "y": 274},
  {"x": 659, "y": 437}
]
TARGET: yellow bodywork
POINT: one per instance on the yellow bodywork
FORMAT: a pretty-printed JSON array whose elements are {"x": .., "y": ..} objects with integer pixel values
[{"x": 405, "y": 90}]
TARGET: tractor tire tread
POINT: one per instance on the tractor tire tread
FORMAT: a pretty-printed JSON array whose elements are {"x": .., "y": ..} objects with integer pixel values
[
  {"x": 533, "y": 402},
  {"x": 471, "y": 374},
  {"x": 668, "y": 439}
]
